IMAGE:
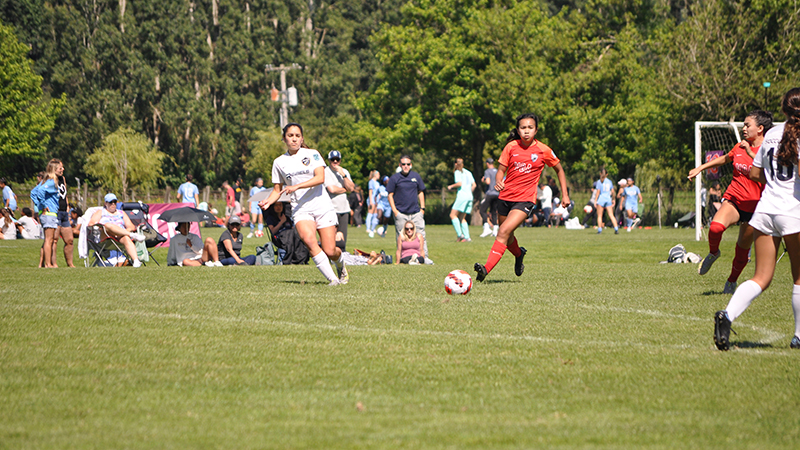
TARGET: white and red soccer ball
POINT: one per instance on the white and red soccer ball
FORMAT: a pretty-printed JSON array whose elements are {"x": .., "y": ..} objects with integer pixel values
[{"x": 457, "y": 282}]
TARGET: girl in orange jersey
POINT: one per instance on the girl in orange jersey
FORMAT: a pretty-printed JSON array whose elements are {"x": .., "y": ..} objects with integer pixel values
[
  {"x": 740, "y": 199},
  {"x": 521, "y": 165}
]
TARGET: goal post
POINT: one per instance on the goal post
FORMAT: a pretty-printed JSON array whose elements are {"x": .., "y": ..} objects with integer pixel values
[{"x": 712, "y": 139}]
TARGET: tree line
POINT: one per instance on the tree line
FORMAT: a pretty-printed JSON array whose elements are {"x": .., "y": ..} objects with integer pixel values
[{"x": 616, "y": 83}]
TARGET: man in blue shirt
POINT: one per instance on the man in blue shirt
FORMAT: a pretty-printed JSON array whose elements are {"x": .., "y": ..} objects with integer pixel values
[
  {"x": 188, "y": 192},
  {"x": 407, "y": 199}
]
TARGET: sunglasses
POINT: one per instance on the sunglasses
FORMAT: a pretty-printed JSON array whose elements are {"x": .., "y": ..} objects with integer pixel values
[
  {"x": 410, "y": 228},
  {"x": 405, "y": 164},
  {"x": 335, "y": 160},
  {"x": 112, "y": 202}
]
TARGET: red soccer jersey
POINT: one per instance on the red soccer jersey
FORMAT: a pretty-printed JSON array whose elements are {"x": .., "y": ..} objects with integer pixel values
[
  {"x": 743, "y": 192},
  {"x": 524, "y": 165}
]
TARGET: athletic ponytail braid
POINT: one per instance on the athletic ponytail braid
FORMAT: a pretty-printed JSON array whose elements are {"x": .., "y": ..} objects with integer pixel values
[{"x": 787, "y": 150}]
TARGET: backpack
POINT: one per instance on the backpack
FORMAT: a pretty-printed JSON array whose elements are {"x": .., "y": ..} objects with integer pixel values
[
  {"x": 265, "y": 256},
  {"x": 677, "y": 254}
]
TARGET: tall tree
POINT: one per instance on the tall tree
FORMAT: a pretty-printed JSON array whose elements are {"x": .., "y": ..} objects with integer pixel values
[{"x": 26, "y": 116}]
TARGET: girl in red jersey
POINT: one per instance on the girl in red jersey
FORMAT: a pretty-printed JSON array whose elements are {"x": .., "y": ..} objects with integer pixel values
[
  {"x": 521, "y": 165},
  {"x": 740, "y": 199}
]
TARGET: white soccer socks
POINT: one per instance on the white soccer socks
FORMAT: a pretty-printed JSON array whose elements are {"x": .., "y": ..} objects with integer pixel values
[
  {"x": 743, "y": 297},
  {"x": 324, "y": 265}
]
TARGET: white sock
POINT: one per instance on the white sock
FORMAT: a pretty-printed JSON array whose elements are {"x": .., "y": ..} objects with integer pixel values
[
  {"x": 744, "y": 295},
  {"x": 796, "y": 308},
  {"x": 324, "y": 265}
]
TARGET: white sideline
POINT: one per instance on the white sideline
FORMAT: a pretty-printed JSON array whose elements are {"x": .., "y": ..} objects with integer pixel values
[{"x": 770, "y": 335}]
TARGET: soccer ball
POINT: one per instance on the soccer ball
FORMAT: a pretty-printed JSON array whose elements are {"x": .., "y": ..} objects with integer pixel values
[
  {"x": 259, "y": 233},
  {"x": 381, "y": 230},
  {"x": 457, "y": 282},
  {"x": 587, "y": 209}
]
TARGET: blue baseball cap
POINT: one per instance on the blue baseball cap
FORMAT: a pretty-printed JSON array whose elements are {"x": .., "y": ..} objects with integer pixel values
[
  {"x": 334, "y": 155},
  {"x": 110, "y": 198}
]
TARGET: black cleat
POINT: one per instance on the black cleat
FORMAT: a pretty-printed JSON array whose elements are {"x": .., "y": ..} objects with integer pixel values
[
  {"x": 722, "y": 330},
  {"x": 518, "y": 266},
  {"x": 795, "y": 343},
  {"x": 481, "y": 272}
]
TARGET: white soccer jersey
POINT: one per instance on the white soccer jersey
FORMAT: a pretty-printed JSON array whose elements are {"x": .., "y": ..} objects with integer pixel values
[
  {"x": 781, "y": 193},
  {"x": 290, "y": 170}
]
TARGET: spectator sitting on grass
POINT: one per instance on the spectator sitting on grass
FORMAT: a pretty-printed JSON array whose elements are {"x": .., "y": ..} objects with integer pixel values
[
  {"x": 187, "y": 249},
  {"x": 28, "y": 226},
  {"x": 229, "y": 246}
]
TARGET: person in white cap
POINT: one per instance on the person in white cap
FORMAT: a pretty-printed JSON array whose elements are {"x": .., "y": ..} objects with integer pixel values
[
  {"x": 339, "y": 183},
  {"x": 116, "y": 224}
]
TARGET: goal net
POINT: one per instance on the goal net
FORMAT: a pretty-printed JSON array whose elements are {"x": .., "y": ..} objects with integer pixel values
[{"x": 711, "y": 140}]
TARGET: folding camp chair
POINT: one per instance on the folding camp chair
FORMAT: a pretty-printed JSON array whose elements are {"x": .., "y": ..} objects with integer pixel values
[
  {"x": 139, "y": 214},
  {"x": 104, "y": 251}
]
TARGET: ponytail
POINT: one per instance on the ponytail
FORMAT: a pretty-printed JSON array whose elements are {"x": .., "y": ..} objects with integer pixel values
[{"x": 787, "y": 150}]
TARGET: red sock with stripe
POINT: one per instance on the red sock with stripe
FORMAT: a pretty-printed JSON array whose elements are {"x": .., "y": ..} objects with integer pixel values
[
  {"x": 494, "y": 255},
  {"x": 715, "y": 231},
  {"x": 513, "y": 247},
  {"x": 739, "y": 263}
]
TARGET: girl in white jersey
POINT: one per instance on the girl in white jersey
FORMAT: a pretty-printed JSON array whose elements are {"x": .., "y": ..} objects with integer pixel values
[
  {"x": 776, "y": 217},
  {"x": 300, "y": 173}
]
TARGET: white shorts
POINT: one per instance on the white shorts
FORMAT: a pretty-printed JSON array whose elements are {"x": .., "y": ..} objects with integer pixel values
[
  {"x": 776, "y": 225},
  {"x": 324, "y": 219}
]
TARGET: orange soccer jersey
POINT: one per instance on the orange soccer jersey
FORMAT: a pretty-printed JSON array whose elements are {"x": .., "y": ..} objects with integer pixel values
[
  {"x": 525, "y": 166},
  {"x": 742, "y": 191}
]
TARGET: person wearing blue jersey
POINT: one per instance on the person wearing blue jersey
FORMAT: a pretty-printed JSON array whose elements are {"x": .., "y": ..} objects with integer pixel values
[
  {"x": 604, "y": 199},
  {"x": 372, "y": 202},
  {"x": 255, "y": 211},
  {"x": 633, "y": 196},
  {"x": 465, "y": 183},
  {"x": 188, "y": 192}
]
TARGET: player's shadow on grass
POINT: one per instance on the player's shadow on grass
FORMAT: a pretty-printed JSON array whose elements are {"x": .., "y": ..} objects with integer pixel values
[
  {"x": 303, "y": 282},
  {"x": 749, "y": 344},
  {"x": 712, "y": 293},
  {"x": 500, "y": 281}
]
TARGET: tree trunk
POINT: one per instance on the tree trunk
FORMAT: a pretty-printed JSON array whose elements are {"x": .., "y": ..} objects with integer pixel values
[{"x": 122, "y": 4}]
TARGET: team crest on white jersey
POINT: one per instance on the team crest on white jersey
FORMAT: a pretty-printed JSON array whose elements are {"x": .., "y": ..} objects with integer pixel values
[
  {"x": 534, "y": 157},
  {"x": 306, "y": 161}
]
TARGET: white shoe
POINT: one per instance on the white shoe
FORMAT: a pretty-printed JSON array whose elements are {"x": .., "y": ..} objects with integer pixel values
[
  {"x": 217, "y": 263},
  {"x": 628, "y": 229},
  {"x": 334, "y": 283},
  {"x": 495, "y": 230},
  {"x": 344, "y": 277},
  {"x": 209, "y": 264},
  {"x": 249, "y": 235},
  {"x": 730, "y": 287},
  {"x": 636, "y": 222},
  {"x": 138, "y": 237},
  {"x": 137, "y": 263},
  {"x": 372, "y": 234},
  {"x": 486, "y": 231}
]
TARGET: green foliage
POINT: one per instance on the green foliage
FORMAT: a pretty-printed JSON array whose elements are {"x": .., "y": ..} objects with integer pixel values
[
  {"x": 617, "y": 83},
  {"x": 266, "y": 146},
  {"x": 127, "y": 160},
  {"x": 26, "y": 117}
]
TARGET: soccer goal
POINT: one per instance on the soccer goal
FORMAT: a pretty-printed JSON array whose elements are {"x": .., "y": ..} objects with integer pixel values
[{"x": 711, "y": 140}]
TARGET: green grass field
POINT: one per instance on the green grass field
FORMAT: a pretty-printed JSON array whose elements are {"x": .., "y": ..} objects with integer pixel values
[{"x": 597, "y": 345}]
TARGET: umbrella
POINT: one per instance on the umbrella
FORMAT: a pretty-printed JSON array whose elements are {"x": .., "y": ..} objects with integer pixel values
[
  {"x": 186, "y": 214},
  {"x": 265, "y": 193}
]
